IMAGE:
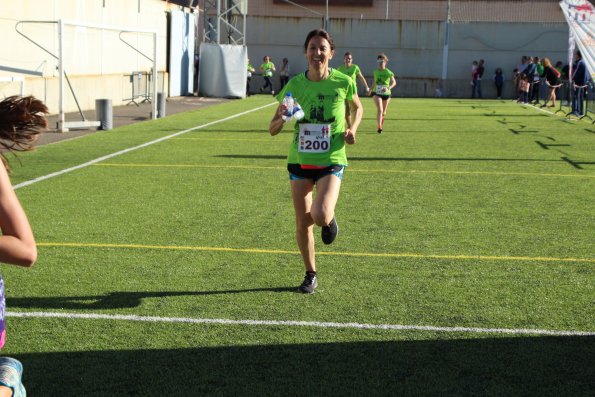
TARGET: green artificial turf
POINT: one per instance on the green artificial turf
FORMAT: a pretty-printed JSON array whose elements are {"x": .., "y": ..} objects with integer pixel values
[{"x": 472, "y": 214}]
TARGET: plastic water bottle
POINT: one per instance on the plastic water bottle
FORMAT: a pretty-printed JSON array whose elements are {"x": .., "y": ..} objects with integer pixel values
[
  {"x": 298, "y": 113},
  {"x": 288, "y": 102}
]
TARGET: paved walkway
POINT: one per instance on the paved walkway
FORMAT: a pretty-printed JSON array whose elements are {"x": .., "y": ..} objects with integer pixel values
[{"x": 125, "y": 115}]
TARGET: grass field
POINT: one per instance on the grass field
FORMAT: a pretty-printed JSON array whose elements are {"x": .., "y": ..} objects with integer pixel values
[{"x": 465, "y": 263}]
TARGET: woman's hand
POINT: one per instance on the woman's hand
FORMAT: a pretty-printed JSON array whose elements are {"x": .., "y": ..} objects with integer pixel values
[
  {"x": 350, "y": 136},
  {"x": 277, "y": 122}
]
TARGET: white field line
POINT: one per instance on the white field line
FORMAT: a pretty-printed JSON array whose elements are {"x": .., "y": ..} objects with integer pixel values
[
  {"x": 124, "y": 151},
  {"x": 551, "y": 113},
  {"x": 316, "y": 324}
]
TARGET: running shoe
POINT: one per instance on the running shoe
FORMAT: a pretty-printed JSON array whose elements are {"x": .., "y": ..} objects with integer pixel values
[
  {"x": 329, "y": 233},
  {"x": 310, "y": 283},
  {"x": 379, "y": 130},
  {"x": 11, "y": 371}
]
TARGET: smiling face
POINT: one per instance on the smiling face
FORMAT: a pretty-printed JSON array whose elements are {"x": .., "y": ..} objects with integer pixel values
[
  {"x": 319, "y": 53},
  {"x": 348, "y": 59}
]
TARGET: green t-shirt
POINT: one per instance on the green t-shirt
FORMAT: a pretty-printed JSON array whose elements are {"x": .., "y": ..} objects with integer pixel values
[
  {"x": 382, "y": 77},
  {"x": 267, "y": 69},
  {"x": 353, "y": 71},
  {"x": 323, "y": 103}
]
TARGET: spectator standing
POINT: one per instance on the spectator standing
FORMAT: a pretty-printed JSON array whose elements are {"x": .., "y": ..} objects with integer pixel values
[
  {"x": 580, "y": 77},
  {"x": 525, "y": 60},
  {"x": 552, "y": 79},
  {"x": 284, "y": 73},
  {"x": 536, "y": 80},
  {"x": 529, "y": 71},
  {"x": 499, "y": 82},
  {"x": 524, "y": 86},
  {"x": 516, "y": 83},
  {"x": 473, "y": 73},
  {"x": 477, "y": 80}
]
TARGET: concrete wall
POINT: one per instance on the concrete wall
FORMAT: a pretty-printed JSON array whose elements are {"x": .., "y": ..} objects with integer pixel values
[
  {"x": 100, "y": 65},
  {"x": 415, "y": 48},
  {"x": 97, "y": 61}
]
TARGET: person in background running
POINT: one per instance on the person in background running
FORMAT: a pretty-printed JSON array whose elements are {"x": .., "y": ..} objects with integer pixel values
[
  {"x": 353, "y": 71},
  {"x": 317, "y": 156},
  {"x": 384, "y": 82},
  {"x": 267, "y": 68},
  {"x": 250, "y": 70},
  {"x": 21, "y": 120}
]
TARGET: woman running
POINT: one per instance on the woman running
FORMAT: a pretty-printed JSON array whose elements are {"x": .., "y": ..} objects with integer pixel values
[
  {"x": 317, "y": 153},
  {"x": 384, "y": 82}
]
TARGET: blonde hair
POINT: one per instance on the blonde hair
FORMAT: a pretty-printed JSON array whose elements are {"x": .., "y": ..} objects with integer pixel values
[
  {"x": 547, "y": 63},
  {"x": 382, "y": 55}
]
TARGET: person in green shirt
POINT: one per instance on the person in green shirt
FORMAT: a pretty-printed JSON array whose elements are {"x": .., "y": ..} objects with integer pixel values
[
  {"x": 539, "y": 73},
  {"x": 250, "y": 70},
  {"x": 353, "y": 71},
  {"x": 384, "y": 82},
  {"x": 267, "y": 68},
  {"x": 317, "y": 156}
]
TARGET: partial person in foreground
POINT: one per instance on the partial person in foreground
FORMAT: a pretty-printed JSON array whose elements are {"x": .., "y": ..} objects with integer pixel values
[
  {"x": 21, "y": 120},
  {"x": 317, "y": 155},
  {"x": 384, "y": 82}
]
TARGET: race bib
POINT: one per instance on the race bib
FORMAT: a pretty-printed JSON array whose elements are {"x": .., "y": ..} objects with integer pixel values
[
  {"x": 381, "y": 89},
  {"x": 314, "y": 138},
  {"x": 268, "y": 73}
]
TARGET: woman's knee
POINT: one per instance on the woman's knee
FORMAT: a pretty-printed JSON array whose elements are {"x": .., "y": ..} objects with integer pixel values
[{"x": 322, "y": 215}]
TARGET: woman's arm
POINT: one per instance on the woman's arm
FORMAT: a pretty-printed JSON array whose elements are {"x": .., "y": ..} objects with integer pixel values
[
  {"x": 393, "y": 83},
  {"x": 355, "y": 105},
  {"x": 277, "y": 122},
  {"x": 17, "y": 244},
  {"x": 361, "y": 77}
]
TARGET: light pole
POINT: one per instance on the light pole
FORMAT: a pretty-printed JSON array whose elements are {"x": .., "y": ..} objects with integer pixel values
[
  {"x": 326, "y": 17},
  {"x": 446, "y": 39}
]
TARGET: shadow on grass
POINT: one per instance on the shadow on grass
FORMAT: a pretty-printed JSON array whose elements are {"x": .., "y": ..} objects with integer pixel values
[
  {"x": 355, "y": 158},
  {"x": 118, "y": 300},
  {"x": 540, "y": 366}
]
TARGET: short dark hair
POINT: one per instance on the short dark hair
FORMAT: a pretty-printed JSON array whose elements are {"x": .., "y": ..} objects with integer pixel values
[{"x": 322, "y": 33}]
